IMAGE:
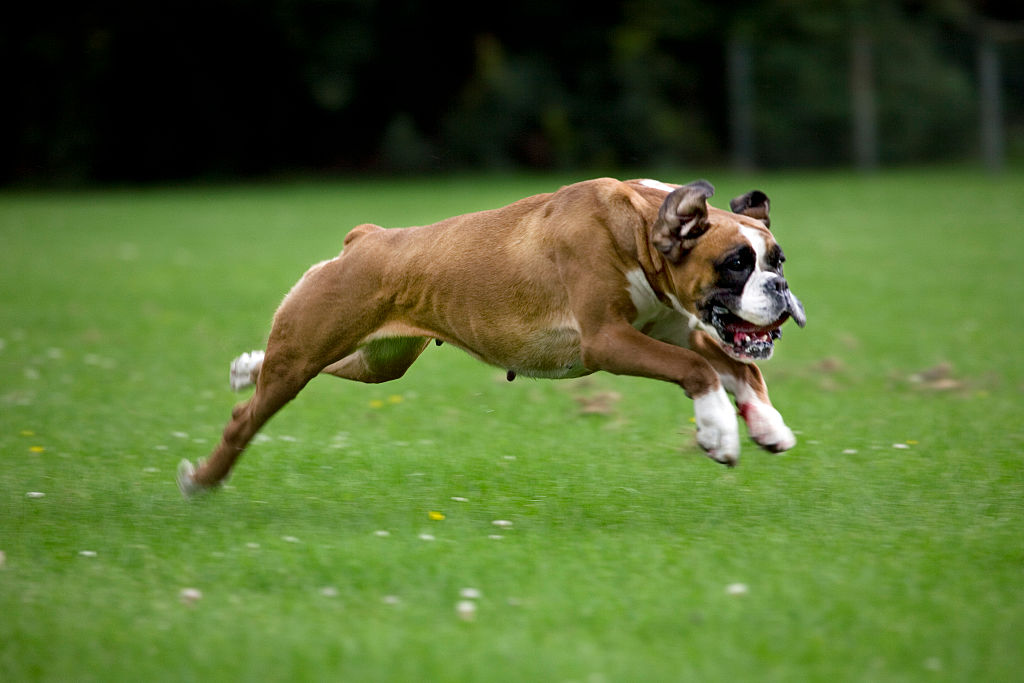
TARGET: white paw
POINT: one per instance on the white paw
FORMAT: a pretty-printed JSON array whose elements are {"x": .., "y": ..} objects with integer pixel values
[
  {"x": 766, "y": 427},
  {"x": 186, "y": 479},
  {"x": 245, "y": 369},
  {"x": 717, "y": 430}
]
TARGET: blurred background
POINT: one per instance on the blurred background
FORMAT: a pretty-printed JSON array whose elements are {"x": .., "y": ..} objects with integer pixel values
[{"x": 125, "y": 92}]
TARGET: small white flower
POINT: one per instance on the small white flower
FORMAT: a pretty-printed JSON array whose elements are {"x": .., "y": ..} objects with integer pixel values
[
  {"x": 503, "y": 523},
  {"x": 495, "y": 537},
  {"x": 900, "y": 445},
  {"x": 460, "y": 499},
  {"x": 179, "y": 435},
  {"x": 737, "y": 589},
  {"x": 87, "y": 553},
  {"x": 252, "y": 546},
  {"x": 190, "y": 596},
  {"x": 382, "y": 533},
  {"x": 329, "y": 592},
  {"x": 466, "y": 609},
  {"x": 391, "y": 600},
  {"x": 470, "y": 593},
  {"x": 34, "y": 494},
  {"x": 289, "y": 539},
  {"x": 426, "y": 537},
  {"x": 849, "y": 451}
]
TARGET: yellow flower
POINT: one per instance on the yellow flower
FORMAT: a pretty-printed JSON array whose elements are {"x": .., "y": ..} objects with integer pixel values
[
  {"x": 376, "y": 403},
  {"x": 36, "y": 449},
  {"x": 395, "y": 398},
  {"x": 912, "y": 442},
  {"x": 435, "y": 515}
]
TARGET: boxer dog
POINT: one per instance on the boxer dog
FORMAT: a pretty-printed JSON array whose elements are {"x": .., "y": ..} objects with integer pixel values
[{"x": 633, "y": 278}]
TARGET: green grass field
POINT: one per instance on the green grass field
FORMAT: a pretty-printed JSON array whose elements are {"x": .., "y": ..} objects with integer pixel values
[{"x": 887, "y": 546}]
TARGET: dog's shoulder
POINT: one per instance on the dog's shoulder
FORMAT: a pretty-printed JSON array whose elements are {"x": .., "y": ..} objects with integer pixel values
[
  {"x": 613, "y": 200},
  {"x": 361, "y": 231}
]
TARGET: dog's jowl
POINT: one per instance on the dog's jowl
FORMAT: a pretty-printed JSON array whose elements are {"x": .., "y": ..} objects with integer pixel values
[{"x": 633, "y": 278}]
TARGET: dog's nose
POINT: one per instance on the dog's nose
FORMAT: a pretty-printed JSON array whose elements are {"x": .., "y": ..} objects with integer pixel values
[{"x": 778, "y": 285}]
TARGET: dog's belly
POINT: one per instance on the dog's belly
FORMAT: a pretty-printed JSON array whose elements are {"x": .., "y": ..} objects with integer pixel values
[
  {"x": 553, "y": 353},
  {"x": 550, "y": 352}
]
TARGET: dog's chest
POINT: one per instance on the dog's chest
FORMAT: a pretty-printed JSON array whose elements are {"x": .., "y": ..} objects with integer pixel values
[{"x": 655, "y": 319}]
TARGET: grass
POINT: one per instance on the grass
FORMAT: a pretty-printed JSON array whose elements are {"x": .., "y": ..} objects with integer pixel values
[{"x": 886, "y": 546}]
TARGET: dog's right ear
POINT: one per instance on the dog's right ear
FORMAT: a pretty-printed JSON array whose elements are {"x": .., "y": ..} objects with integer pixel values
[{"x": 682, "y": 218}]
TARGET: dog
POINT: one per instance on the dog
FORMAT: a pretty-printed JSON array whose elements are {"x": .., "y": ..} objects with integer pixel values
[{"x": 631, "y": 277}]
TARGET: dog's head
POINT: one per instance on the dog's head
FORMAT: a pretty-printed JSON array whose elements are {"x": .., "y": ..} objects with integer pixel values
[{"x": 726, "y": 269}]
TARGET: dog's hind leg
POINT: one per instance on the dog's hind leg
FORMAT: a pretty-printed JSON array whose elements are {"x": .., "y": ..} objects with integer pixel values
[
  {"x": 279, "y": 382},
  {"x": 302, "y": 344}
]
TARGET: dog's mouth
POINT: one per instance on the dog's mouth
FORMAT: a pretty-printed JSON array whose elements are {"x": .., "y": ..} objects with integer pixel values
[{"x": 741, "y": 338}]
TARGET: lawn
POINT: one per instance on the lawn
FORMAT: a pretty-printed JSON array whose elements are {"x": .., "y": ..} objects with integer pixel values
[{"x": 357, "y": 540}]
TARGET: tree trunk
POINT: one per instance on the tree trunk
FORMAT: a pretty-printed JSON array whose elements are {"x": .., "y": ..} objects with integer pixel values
[
  {"x": 862, "y": 99},
  {"x": 993, "y": 146},
  {"x": 741, "y": 103}
]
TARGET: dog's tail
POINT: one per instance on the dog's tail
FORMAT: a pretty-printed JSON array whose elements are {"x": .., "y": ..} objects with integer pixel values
[{"x": 245, "y": 369}]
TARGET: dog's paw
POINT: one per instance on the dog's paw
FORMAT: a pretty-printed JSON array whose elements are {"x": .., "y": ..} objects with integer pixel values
[
  {"x": 766, "y": 427},
  {"x": 717, "y": 430},
  {"x": 187, "y": 483},
  {"x": 245, "y": 369}
]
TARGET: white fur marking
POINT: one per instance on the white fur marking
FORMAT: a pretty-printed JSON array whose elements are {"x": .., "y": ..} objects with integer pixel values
[
  {"x": 764, "y": 423},
  {"x": 755, "y": 305},
  {"x": 245, "y": 369},
  {"x": 757, "y": 241},
  {"x": 654, "y": 318},
  {"x": 186, "y": 480},
  {"x": 657, "y": 185},
  {"x": 717, "y": 431}
]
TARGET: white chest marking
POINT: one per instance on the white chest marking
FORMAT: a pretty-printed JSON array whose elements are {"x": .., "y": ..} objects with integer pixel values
[{"x": 655, "y": 319}]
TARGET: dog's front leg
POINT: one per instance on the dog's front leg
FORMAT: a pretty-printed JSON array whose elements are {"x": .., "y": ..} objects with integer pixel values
[
  {"x": 622, "y": 350},
  {"x": 745, "y": 382}
]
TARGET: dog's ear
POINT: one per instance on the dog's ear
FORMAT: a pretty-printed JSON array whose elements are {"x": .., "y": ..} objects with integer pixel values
[
  {"x": 754, "y": 204},
  {"x": 682, "y": 218}
]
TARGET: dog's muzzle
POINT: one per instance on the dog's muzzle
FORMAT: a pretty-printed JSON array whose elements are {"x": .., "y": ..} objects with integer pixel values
[{"x": 748, "y": 341}]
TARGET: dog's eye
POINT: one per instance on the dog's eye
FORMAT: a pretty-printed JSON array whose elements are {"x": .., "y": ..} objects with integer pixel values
[
  {"x": 741, "y": 260},
  {"x": 776, "y": 259}
]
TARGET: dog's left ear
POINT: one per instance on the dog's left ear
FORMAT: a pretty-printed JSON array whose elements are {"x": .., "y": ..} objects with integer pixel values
[
  {"x": 682, "y": 218},
  {"x": 754, "y": 204}
]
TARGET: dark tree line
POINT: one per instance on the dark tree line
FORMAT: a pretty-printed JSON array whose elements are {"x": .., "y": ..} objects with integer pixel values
[{"x": 129, "y": 91}]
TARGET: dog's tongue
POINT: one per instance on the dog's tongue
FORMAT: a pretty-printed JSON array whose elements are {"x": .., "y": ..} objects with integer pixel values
[{"x": 749, "y": 329}]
